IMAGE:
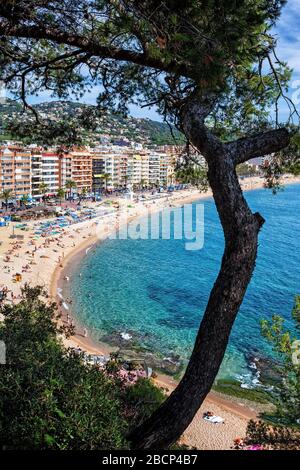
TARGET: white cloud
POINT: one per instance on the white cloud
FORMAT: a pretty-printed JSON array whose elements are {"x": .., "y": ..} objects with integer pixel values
[{"x": 288, "y": 34}]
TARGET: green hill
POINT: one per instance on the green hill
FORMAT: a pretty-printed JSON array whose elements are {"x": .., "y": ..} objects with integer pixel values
[{"x": 109, "y": 126}]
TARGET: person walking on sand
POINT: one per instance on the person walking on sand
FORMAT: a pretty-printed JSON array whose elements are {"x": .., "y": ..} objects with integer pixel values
[{"x": 85, "y": 333}]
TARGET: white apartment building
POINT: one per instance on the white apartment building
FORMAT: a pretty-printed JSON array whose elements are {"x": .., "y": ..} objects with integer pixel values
[
  {"x": 50, "y": 171},
  {"x": 131, "y": 166},
  {"x": 161, "y": 168},
  {"x": 124, "y": 165},
  {"x": 65, "y": 170},
  {"x": 36, "y": 174},
  {"x": 105, "y": 162},
  {"x": 138, "y": 168},
  {"x": 154, "y": 167}
]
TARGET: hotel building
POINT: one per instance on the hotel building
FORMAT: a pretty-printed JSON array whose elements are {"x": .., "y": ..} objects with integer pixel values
[
  {"x": 50, "y": 171},
  {"x": 81, "y": 165},
  {"x": 24, "y": 170},
  {"x": 131, "y": 166},
  {"x": 54, "y": 170},
  {"x": 113, "y": 162},
  {"x": 15, "y": 171}
]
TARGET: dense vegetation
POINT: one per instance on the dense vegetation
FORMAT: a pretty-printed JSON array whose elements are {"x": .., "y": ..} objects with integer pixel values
[
  {"x": 193, "y": 175},
  {"x": 281, "y": 430},
  {"x": 271, "y": 437},
  {"x": 49, "y": 398},
  {"x": 286, "y": 346}
]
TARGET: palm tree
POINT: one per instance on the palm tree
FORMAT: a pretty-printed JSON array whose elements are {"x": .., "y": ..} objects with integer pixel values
[
  {"x": 143, "y": 183},
  {"x": 83, "y": 193},
  {"x": 61, "y": 194},
  {"x": 171, "y": 178},
  {"x": 43, "y": 188},
  {"x": 24, "y": 200},
  {"x": 70, "y": 184},
  {"x": 6, "y": 195},
  {"x": 106, "y": 177},
  {"x": 125, "y": 178}
]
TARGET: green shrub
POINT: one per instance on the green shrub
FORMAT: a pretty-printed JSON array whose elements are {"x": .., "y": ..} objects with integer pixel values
[
  {"x": 49, "y": 399},
  {"x": 142, "y": 399}
]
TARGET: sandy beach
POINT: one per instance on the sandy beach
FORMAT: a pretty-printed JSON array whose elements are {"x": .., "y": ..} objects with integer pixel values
[{"x": 47, "y": 261}]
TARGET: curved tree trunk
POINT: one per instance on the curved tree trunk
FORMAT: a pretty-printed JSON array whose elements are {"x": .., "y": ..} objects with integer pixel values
[{"x": 241, "y": 228}]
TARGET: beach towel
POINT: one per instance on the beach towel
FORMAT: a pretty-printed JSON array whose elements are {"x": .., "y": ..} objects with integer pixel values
[{"x": 214, "y": 419}]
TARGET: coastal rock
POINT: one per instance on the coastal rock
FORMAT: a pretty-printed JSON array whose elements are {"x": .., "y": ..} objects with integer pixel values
[
  {"x": 170, "y": 365},
  {"x": 130, "y": 348},
  {"x": 120, "y": 339},
  {"x": 266, "y": 367}
]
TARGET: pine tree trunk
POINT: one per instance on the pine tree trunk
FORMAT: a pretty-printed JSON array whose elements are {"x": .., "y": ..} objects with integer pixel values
[{"x": 241, "y": 228}]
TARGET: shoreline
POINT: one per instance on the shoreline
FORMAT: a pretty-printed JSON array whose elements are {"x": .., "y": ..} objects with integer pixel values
[
  {"x": 75, "y": 256},
  {"x": 200, "y": 434},
  {"x": 80, "y": 251},
  {"x": 235, "y": 411}
]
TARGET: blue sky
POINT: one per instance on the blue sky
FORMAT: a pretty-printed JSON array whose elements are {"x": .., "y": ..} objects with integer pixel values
[
  {"x": 288, "y": 49},
  {"x": 287, "y": 32}
]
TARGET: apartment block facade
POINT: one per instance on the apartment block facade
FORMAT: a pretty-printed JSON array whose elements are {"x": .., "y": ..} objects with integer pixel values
[
  {"x": 110, "y": 167},
  {"x": 138, "y": 168},
  {"x": 22, "y": 171},
  {"x": 118, "y": 167},
  {"x": 54, "y": 170},
  {"x": 81, "y": 165},
  {"x": 15, "y": 170}
]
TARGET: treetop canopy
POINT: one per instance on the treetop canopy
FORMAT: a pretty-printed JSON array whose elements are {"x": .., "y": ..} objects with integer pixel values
[{"x": 149, "y": 52}]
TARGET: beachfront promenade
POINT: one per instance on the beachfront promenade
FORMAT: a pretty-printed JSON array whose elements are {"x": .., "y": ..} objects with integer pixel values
[{"x": 39, "y": 248}]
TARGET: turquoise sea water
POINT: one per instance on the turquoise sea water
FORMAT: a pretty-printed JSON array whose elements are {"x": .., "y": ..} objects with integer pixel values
[{"x": 157, "y": 290}]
